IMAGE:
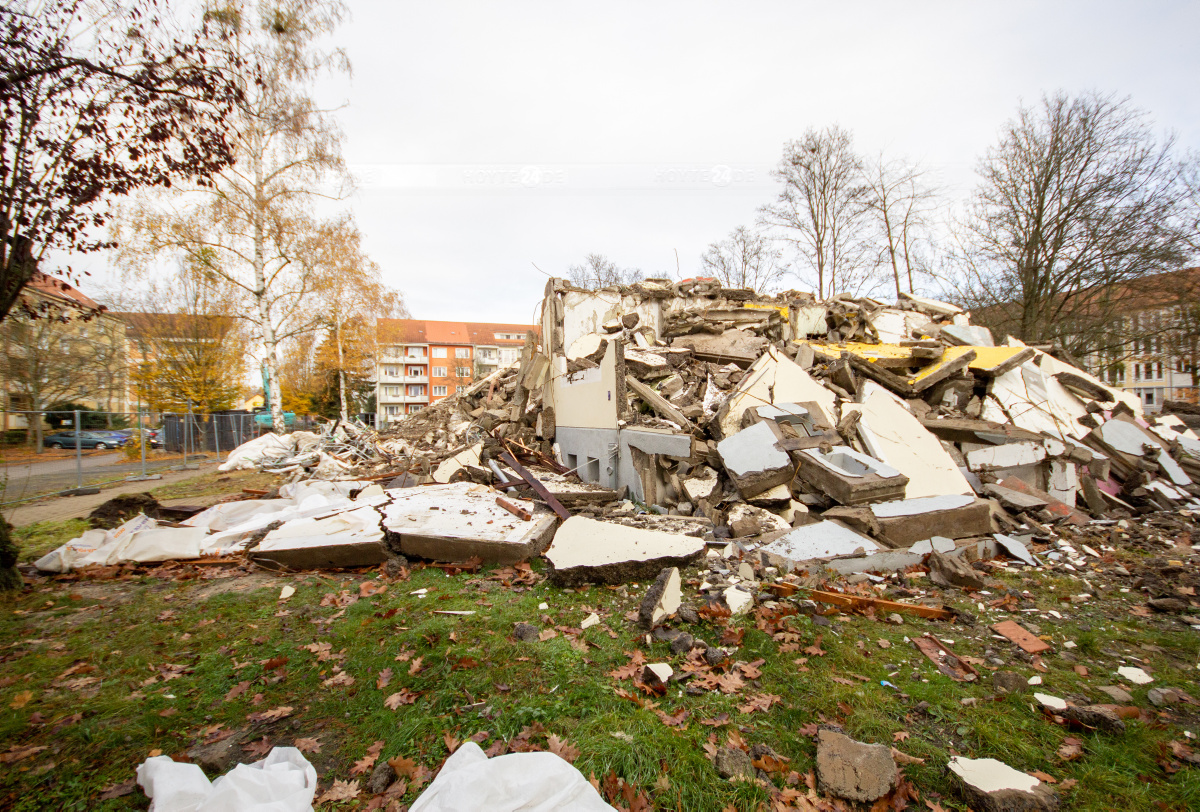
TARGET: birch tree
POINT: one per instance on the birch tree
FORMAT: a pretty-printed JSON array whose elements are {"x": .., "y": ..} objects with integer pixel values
[
  {"x": 353, "y": 298},
  {"x": 252, "y": 225}
]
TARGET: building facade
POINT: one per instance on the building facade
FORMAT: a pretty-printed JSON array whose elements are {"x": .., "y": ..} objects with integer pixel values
[
  {"x": 419, "y": 362},
  {"x": 1154, "y": 347},
  {"x": 58, "y": 345}
]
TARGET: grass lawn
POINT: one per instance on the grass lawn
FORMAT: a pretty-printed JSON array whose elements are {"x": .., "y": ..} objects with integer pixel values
[{"x": 96, "y": 675}]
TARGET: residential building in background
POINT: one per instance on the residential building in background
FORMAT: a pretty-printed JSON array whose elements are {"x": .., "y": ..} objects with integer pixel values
[
  {"x": 1154, "y": 348},
  {"x": 60, "y": 346},
  {"x": 419, "y": 362}
]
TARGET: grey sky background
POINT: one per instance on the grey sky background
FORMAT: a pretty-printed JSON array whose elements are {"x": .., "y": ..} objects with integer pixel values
[{"x": 490, "y": 137}]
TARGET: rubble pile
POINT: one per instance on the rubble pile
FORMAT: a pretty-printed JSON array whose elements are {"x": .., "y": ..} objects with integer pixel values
[{"x": 833, "y": 438}]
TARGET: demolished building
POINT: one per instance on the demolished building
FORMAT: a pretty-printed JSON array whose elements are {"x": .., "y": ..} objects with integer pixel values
[{"x": 840, "y": 436}]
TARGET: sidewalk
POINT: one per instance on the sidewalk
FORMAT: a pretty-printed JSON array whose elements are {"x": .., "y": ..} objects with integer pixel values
[{"x": 58, "y": 508}]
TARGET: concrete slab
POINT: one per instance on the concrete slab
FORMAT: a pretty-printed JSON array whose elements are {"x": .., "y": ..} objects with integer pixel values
[
  {"x": 819, "y": 540},
  {"x": 460, "y": 521},
  {"x": 586, "y": 550},
  {"x": 351, "y": 538},
  {"x": 1129, "y": 438},
  {"x": 1009, "y": 455},
  {"x": 850, "y": 477},
  {"x": 755, "y": 459},
  {"x": 894, "y": 436},
  {"x": 953, "y": 516}
]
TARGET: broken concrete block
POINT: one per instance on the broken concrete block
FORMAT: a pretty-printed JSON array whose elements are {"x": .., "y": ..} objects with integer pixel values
[
  {"x": 1054, "y": 703},
  {"x": 1117, "y": 694},
  {"x": 657, "y": 673},
  {"x": 466, "y": 457},
  {"x": 1009, "y": 455},
  {"x": 993, "y": 786},
  {"x": 892, "y": 434},
  {"x": 850, "y": 477},
  {"x": 1015, "y": 548},
  {"x": 1135, "y": 675},
  {"x": 701, "y": 484},
  {"x": 586, "y": 550},
  {"x": 461, "y": 521},
  {"x": 776, "y": 498},
  {"x": 662, "y": 598},
  {"x": 853, "y": 770},
  {"x": 1095, "y": 717},
  {"x": 755, "y": 460},
  {"x": 1014, "y": 500},
  {"x": 734, "y": 764},
  {"x": 525, "y": 632},
  {"x": 350, "y": 538},
  {"x": 945, "y": 570},
  {"x": 953, "y": 516},
  {"x": 738, "y": 600},
  {"x": 819, "y": 540},
  {"x": 746, "y": 520},
  {"x": 1009, "y": 682},
  {"x": 775, "y": 379},
  {"x": 591, "y": 620}
]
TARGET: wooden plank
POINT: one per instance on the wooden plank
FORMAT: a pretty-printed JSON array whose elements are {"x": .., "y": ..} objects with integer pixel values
[
  {"x": 1017, "y": 633},
  {"x": 658, "y": 403},
  {"x": 516, "y": 510},
  {"x": 945, "y": 659},
  {"x": 880, "y": 605},
  {"x": 538, "y": 488}
]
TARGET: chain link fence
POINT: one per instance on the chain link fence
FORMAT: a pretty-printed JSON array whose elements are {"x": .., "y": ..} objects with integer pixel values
[{"x": 46, "y": 453}]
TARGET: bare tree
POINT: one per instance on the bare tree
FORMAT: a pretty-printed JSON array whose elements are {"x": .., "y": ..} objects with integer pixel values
[
  {"x": 254, "y": 221},
  {"x": 822, "y": 209},
  {"x": 745, "y": 259},
  {"x": 901, "y": 201},
  {"x": 598, "y": 271},
  {"x": 1076, "y": 202},
  {"x": 97, "y": 98},
  {"x": 1189, "y": 215}
]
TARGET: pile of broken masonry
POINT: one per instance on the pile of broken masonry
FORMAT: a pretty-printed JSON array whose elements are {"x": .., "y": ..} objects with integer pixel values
[{"x": 782, "y": 442}]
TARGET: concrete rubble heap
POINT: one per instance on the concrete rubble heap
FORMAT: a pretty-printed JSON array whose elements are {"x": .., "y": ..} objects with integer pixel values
[{"x": 840, "y": 437}]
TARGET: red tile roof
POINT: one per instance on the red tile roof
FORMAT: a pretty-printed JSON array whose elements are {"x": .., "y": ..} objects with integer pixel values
[
  {"x": 421, "y": 331},
  {"x": 58, "y": 289}
]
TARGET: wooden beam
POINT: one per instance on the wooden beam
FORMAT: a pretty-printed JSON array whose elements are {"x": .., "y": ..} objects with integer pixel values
[
  {"x": 658, "y": 403},
  {"x": 535, "y": 483},
  {"x": 880, "y": 605}
]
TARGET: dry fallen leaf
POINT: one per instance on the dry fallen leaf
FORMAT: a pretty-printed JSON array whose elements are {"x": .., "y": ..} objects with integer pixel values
[
  {"x": 385, "y": 676},
  {"x": 340, "y": 791},
  {"x": 118, "y": 790},
  {"x": 364, "y": 764},
  {"x": 21, "y": 699},
  {"x": 900, "y": 735},
  {"x": 1044, "y": 777},
  {"x": 19, "y": 752},
  {"x": 405, "y": 767},
  {"x": 340, "y": 678},
  {"x": 402, "y": 697},
  {"x": 415, "y": 668},
  {"x": 237, "y": 690},
  {"x": 307, "y": 745},
  {"x": 561, "y": 748},
  {"x": 1071, "y": 749},
  {"x": 270, "y": 715},
  {"x": 258, "y": 749}
]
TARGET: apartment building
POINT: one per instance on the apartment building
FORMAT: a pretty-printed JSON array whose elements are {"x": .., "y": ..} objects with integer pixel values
[
  {"x": 1156, "y": 342},
  {"x": 419, "y": 362}
]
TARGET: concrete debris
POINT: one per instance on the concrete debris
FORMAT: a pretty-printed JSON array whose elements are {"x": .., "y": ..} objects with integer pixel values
[
  {"x": 946, "y": 570},
  {"x": 853, "y": 770},
  {"x": 734, "y": 764},
  {"x": 587, "y": 550},
  {"x": 993, "y": 786},
  {"x": 662, "y": 598}
]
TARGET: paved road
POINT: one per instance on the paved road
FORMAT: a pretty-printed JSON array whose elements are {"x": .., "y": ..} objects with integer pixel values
[
  {"x": 76, "y": 507},
  {"x": 49, "y": 476}
]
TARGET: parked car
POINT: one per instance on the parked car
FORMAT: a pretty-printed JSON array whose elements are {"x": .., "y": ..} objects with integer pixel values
[{"x": 87, "y": 439}]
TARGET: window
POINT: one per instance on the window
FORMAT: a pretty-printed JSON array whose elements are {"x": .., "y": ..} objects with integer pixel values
[
  {"x": 416, "y": 391},
  {"x": 439, "y": 352},
  {"x": 416, "y": 352},
  {"x": 1137, "y": 372},
  {"x": 416, "y": 371},
  {"x": 1160, "y": 370},
  {"x": 439, "y": 372},
  {"x": 393, "y": 410},
  {"x": 439, "y": 391},
  {"x": 393, "y": 391},
  {"x": 462, "y": 352},
  {"x": 415, "y": 408},
  {"x": 464, "y": 372},
  {"x": 1149, "y": 398},
  {"x": 1179, "y": 365},
  {"x": 460, "y": 389},
  {"x": 391, "y": 372}
]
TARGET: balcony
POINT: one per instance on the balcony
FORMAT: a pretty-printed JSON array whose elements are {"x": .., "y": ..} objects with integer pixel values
[{"x": 388, "y": 399}]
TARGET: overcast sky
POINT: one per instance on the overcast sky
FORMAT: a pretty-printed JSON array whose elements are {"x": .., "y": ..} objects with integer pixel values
[{"x": 492, "y": 137}]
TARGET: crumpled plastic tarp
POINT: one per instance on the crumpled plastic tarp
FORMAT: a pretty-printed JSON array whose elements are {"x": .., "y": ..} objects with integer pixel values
[
  {"x": 252, "y": 452},
  {"x": 284, "y": 781},
  {"x": 469, "y": 781}
]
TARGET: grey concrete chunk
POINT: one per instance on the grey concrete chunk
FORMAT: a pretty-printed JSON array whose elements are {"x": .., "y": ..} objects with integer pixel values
[
  {"x": 854, "y": 770},
  {"x": 586, "y": 550},
  {"x": 755, "y": 460},
  {"x": 993, "y": 786}
]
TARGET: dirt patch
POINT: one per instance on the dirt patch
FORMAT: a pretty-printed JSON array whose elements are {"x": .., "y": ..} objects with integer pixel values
[
  {"x": 120, "y": 509},
  {"x": 240, "y": 583}
]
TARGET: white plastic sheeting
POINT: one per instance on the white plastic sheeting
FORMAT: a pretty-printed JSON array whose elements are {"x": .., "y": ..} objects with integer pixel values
[
  {"x": 284, "y": 781},
  {"x": 526, "y": 782}
]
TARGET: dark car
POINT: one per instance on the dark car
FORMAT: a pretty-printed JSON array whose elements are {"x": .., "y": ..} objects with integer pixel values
[{"x": 87, "y": 439}]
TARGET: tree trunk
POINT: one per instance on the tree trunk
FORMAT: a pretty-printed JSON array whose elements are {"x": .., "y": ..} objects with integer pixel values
[
  {"x": 271, "y": 360},
  {"x": 337, "y": 326},
  {"x": 10, "y": 578}
]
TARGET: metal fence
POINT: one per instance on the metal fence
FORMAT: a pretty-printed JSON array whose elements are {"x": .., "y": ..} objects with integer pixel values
[{"x": 106, "y": 451}]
